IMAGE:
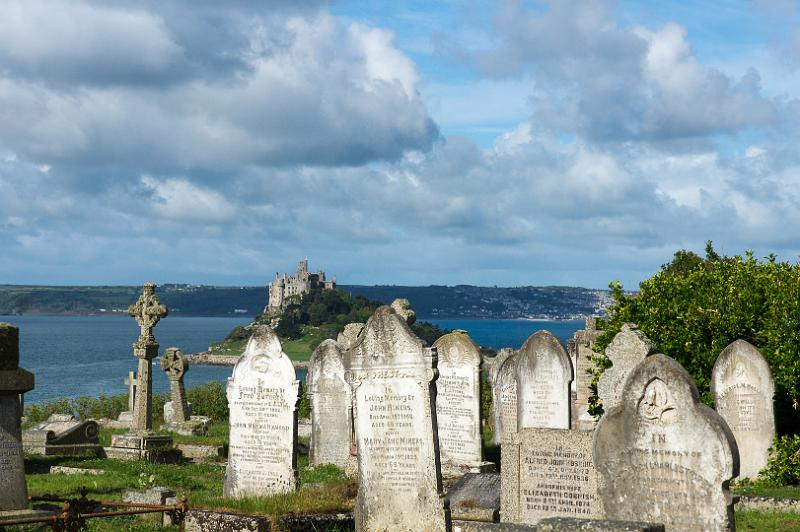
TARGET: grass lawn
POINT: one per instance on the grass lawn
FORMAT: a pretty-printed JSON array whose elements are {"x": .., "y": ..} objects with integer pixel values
[
  {"x": 773, "y": 521},
  {"x": 787, "y": 492}
]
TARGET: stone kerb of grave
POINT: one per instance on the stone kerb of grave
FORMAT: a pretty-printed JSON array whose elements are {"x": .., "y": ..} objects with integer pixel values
[
  {"x": 458, "y": 403},
  {"x": 544, "y": 373},
  {"x": 13, "y": 382},
  {"x": 504, "y": 399},
  {"x": 628, "y": 348},
  {"x": 262, "y": 398},
  {"x": 743, "y": 389},
  {"x": 549, "y": 473},
  {"x": 331, "y": 410},
  {"x": 390, "y": 373},
  {"x": 663, "y": 456}
]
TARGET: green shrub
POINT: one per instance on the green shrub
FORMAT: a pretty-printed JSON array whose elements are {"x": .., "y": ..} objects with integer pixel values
[
  {"x": 303, "y": 403},
  {"x": 210, "y": 400},
  {"x": 783, "y": 466},
  {"x": 238, "y": 333}
]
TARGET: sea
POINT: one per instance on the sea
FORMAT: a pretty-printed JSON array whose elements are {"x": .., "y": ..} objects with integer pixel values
[{"x": 73, "y": 356}]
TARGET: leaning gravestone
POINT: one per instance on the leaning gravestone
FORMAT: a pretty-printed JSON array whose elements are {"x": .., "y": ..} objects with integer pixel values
[
  {"x": 493, "y": 372},
  {"x": 331, "y": 410},
  {"x": 62, "y": 434},
  {"x": 505, "y": 398},
  {"x": 743, "y": 389},
  {"x": 262, "y": 397},
  {"x": 662, "y": 455},
  {"x": 544, "y": 373},
  {"x": 628, "y": 348},
  {"x": 548, "y": 473},
  {"x": 391, "y": 374},
  {"x": 13, "y": 382},
  {"x": 458, "y": 403}
]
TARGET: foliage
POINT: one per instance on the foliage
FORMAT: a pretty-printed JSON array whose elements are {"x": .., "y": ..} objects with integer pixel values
[
  {"x": 303, "y": 402},
  {"x": 783, "y": 466},
  {"x": 486, "y": 396},
  {"x": 210, "y": 400},
  {"x": 238, "y": 333},
  {"x": 693, "y": 308},
  {"x": 427, "y": 331}
]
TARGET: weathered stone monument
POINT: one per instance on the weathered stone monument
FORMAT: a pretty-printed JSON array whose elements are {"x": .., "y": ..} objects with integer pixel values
[
  {"x": 742, "y": 385},
  {"x": 504, "y": 396},
  {"x": 585, "y": 366},
  {"x": 628, "y": 348},
  {"x": 62, "y": 434},
  {"x": 262, "y": 397},
  {"x": 544, "y": 373},
  {"x": 391, "y": 375},
  {"x": 331, "y": 409},
  {"x": 549, "y": 473},
  {"x": 130, "y": 381},
  {"x": 492, "y": 373},
  {"x": 348, "y": 336},
  {"x": 458, "y": 404},
  {"x": 178, "y": 412},
  {"x": 663, "y": 456},
  {"x": 141, "y": 441},
  {"x": 13, "y": 382}
]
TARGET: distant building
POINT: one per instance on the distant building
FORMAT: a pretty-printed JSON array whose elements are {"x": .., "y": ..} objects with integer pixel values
[{"x": 283, "y": 287}]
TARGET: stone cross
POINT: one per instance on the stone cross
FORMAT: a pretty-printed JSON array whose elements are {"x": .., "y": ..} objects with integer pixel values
[
  {"x": 175, "y": 367},
  {"x": 743, "y": 390},
  {"x": 662, "y": 455},
  {"x": 147, "y": 311},
  {"x": 131, "y": 381},
  {"x": 13, "y": 382}
]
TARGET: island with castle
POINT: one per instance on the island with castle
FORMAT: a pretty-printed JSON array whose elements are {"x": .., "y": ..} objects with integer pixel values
[{"x": 286, "y": 286}]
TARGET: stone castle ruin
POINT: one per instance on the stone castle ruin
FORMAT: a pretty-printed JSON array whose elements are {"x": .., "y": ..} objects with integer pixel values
[{"x": 302, "y": 282}]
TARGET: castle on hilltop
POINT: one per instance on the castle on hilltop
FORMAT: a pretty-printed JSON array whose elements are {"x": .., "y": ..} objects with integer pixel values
[{"x": 302, "y": 282}]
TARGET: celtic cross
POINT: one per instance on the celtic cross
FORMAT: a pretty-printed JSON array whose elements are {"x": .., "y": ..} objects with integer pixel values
[{"x": 147, "y": 311}]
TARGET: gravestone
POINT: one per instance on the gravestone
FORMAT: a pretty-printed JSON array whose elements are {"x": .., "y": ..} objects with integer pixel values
[
  {"x": 262, "y": 398},
  {"x": 742, "y": 385},
  {"x": 178, "y": 412},
  {"x": 549, "y": 473},
  {"x": 584, "y": 365},
  {"x": 628, "y": 348},
  {"x": 390, "y": 373},
  {"x": 493, "y": 373},
  {"x": 458, "y": 404},
  {"x": 129, "y": 381},
  {"x": 13, "y": 382},
  {"x": 347, "y": 338},
  {"x": 662, "y": 455},
  {"x": 141, "y": 441},
  {"x": 544, "y": 372},
  {"x": 505, "y": 397},
  {"x": 62, "y": 434},
  {"x": 331, "y": 410}
]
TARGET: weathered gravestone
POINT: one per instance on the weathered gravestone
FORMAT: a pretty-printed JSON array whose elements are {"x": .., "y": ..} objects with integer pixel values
[
  {"x": 585, "y": 366},
  {"x": 505, "y": 398},
  {"x": 13, "y": 381},
  {"x": 178, "y": 412},
  {"x": 262, "y": 398},
  {"x": 131, "y": 382},
  {"x": 628, "y": 348},
  {"x": 662, "y": 455},
  {"x": 458, "y": 403},
  {"x": 544, "y": 373},
  {"x": 743, "y": 389},
  {"x": 347, "y": 338},
  {"x": 62, "y": 434},
  {"x": 548, "y": 473},
  {"x": 493, "y": 371},
  {"x": 331, "y": 410},
  {"x": 390, "y": 373}
]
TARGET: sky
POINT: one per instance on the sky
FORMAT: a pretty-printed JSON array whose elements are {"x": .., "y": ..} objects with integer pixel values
[{"x": 489, "y": 143}]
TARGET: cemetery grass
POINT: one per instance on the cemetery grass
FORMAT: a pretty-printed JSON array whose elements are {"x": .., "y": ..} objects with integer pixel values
[{"x": 777, "y": 521}]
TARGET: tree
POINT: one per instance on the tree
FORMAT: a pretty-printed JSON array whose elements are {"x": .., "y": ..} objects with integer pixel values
[{"x": 693, "y": 308}]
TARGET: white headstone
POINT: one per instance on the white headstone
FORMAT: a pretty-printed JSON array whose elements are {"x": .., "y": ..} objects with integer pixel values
[
  {"x": 458, "y": 402},
  {"x": 743, "y": 390},
  {"x": 505, "y": 399},
  {"x": 544, "y": 373},
  {"x": 497, "y": 403},
  {"x": 662, "y": 455},
  {"x": 331, "y": 410},
  {"x": 391, "y": 374},
  {"x": 262, "y": 396},
  {"x": 628, "y": 348}
]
